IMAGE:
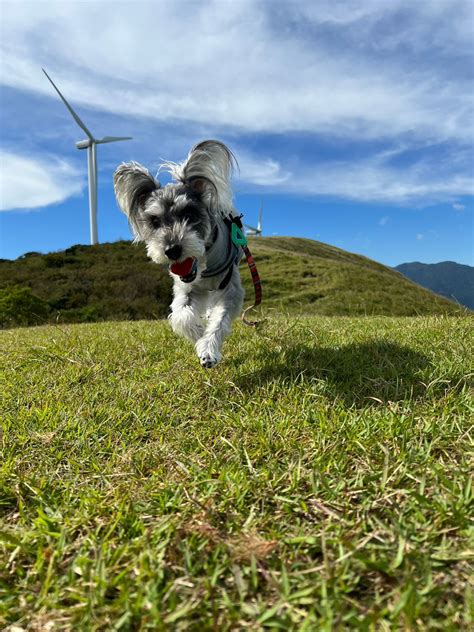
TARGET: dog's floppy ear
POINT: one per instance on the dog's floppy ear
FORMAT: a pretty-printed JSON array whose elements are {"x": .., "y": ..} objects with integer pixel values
[
  {"x": 207, "y": 172},
  {"x": 133, "y": 185}
]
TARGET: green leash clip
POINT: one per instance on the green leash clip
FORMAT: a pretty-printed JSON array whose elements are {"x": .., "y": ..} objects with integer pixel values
[{"x": 237, "y": 236}]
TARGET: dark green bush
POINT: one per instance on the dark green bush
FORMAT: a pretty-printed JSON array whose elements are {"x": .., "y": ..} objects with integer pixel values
[{"x": 19, "y": 306}]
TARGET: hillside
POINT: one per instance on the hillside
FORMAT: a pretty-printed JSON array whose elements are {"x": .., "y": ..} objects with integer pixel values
[
  {"x": 306, "y": 276},
  {"x": 452, "y": 280},
  {"x": 116, "y": 281},
  {"x": 112, "y": 281}
]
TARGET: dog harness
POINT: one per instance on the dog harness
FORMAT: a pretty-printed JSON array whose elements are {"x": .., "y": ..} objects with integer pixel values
[
  {"x": 232, "y": 257},
  {"x": 237, "y": 240}
]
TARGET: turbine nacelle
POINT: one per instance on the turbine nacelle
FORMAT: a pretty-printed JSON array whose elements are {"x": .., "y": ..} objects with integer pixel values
[{"x": 84, "y": 144}]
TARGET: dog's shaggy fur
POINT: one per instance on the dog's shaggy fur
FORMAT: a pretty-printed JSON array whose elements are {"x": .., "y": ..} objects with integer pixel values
[{"x": 182, "y": 225}]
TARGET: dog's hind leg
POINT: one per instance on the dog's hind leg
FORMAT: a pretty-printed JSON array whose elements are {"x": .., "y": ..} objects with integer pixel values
[{"x": 225, "y": 308}]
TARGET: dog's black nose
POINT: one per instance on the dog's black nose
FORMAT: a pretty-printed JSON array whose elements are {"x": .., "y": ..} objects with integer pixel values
[{"x": 174, "y": 252}]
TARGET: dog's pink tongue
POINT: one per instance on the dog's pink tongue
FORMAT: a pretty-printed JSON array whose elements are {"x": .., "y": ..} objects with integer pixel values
[{"x": 183, "y": 268}]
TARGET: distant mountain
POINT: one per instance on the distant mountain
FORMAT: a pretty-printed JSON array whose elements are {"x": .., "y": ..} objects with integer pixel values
[
  {"x": 116, "y": 281},
  {"x": 449, "y": 279}
]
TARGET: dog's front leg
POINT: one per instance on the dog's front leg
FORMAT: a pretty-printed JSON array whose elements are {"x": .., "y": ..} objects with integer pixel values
[
  {"x": 185, "y": 318},
  {"x": 225, "y": 308}
]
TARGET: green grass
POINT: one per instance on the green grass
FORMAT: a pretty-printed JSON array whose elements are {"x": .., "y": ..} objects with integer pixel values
[{"x": 319, "y": 479}]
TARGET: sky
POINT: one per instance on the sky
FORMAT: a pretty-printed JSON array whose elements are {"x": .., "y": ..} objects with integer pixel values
[{"x": 351, "y": 120}]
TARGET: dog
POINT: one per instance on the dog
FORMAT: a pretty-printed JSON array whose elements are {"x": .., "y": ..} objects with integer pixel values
[{"x": 187, "y": 226}]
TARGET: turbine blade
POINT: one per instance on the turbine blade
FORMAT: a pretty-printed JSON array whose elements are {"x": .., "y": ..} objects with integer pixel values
[
  {"x": 112, "y": 139},
  {"x": 250, "y": 227},
  {"x": 74, "y": 115}
]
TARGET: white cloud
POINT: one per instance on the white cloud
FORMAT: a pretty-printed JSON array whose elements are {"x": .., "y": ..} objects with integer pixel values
[
  {"x": 425, "y": 24},
  {"x": 459, "y": 207},
  {"x": 383, "y": 220},
  {"x": 395, "y": 71},
  {"x": 235, "y": 65},
  {"x": 374, "y": 179},
  {"x": 265, "y": 171},
  {"x": 27, "y": 183}
]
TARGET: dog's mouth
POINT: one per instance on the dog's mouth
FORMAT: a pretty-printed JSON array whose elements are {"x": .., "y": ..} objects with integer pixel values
[{"x": 186, "y": 270}]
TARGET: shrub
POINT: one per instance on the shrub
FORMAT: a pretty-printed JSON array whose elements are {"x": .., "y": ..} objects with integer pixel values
[{"x": 19, "y": 306}]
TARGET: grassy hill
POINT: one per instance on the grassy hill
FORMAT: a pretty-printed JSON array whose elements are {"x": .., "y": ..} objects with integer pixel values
[
  {"x": 319, "y": 479},
  {"x": 117, "y": 281},
  {"x": 310, "y": 277}
]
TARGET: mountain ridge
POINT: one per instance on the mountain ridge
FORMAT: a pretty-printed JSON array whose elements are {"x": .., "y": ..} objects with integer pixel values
[{"x": 447, "y": 278}]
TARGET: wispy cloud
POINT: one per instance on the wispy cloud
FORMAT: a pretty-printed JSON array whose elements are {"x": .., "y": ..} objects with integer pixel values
[
  {"x": 262, "y": 171},
  {"x": 459, "y": 207},
  {"x": 395, "y": 75},
  {"x": 187, "y": 61},
  {"x": 376, "y": 178},
  {"x": 27, "y": 183},
  {"x": 383, "y": 220}
]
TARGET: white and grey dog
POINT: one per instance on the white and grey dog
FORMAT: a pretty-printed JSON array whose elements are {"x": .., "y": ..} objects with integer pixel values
[{"x": 186, "y": 225}]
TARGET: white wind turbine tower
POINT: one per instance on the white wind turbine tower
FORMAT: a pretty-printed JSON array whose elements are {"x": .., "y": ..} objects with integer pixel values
[
  {"x": 251, "y": 230},
  {"x": 90, "y": 145}
]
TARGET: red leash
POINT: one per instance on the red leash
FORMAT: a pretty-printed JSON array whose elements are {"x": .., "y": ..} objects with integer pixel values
[
  {"x": 256, "y": 285},
  {"x": 240, "y": 240}
]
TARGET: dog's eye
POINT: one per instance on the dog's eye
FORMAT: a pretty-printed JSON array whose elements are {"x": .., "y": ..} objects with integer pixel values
[{"x": 155, "y": 221}]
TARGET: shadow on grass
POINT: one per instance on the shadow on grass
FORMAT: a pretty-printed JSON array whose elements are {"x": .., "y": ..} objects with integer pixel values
[{"x": 356, "y": 373}]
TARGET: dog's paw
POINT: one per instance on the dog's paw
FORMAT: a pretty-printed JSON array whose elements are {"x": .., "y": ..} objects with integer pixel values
[{"x": 209, "y": 361}]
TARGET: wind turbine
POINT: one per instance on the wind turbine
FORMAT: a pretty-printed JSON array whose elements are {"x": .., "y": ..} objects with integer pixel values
[
  {"x": 90, "y": 145},
  {"x": 251, "y": 230}
]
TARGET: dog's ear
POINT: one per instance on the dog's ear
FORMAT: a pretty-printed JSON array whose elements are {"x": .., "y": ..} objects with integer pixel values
[
  {"x": 133, "y": 185},
  {"x": 207, "y": 171}
]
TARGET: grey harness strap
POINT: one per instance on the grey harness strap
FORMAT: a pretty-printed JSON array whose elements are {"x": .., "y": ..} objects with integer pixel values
[{"x": 233, "y": 254}]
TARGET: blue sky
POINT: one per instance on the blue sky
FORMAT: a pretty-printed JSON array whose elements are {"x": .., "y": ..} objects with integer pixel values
[{"x": 352, "y": 121}]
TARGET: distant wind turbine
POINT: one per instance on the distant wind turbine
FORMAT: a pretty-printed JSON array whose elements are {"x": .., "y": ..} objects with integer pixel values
[
  {"x": 90, "y": 145},
  {"x": 251, "y": 230}
]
